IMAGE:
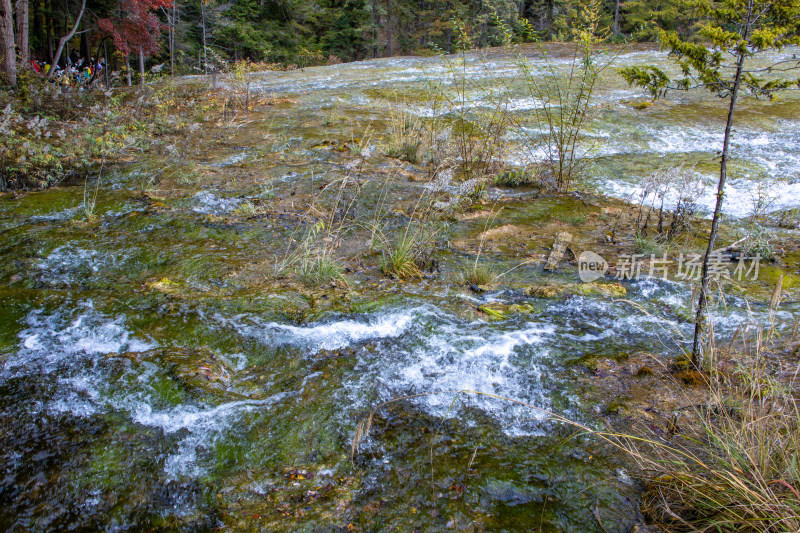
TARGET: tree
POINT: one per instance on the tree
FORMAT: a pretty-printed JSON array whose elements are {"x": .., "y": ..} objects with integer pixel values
[
  {"x": 735, "y": 30},
  {"x": 7, "y": 55},
  {"x": 66, "y": 39},
  {"x": 22, "y": 31},
  {"x": 136, "y": 29},
  {"x": 212, "y": 16},
  {"x": 343, "y": 28},
  {"x": 642, "y": 19},
  {"x": 172, "y": 18}
]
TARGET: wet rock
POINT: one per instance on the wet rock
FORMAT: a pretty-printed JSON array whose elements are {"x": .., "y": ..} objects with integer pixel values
[
  {"x": 618, "y": 404},
  {"x": 165, "y": 285},
  {"x": 559, "y": 249},
  {"x": 507, "y": 492},
  {"x": 552, "y": 290},
  {"x": 546, "y": 290},
  {"x": 197, "y": 369},
  {"x": 498, "y": 311},
  {"x": 693, "y": 378},
  {"x": 643, "y": 364}
]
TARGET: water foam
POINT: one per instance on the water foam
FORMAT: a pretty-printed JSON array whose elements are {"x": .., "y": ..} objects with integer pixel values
[
  {"x": 74, "y": 349},
  {"x": 331, "y": 335},
  {"x": 207, "y": 203}
]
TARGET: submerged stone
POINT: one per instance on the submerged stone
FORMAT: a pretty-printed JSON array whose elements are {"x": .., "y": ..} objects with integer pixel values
[{"x": 507, "y": 492}]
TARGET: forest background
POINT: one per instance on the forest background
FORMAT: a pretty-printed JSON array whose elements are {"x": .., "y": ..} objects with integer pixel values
[{"x": 201, "y": 36}]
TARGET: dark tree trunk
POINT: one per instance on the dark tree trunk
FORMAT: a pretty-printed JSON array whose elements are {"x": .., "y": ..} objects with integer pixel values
[
  {"x": 22, "y": 31},
  {"x": 389, "y": 29},
  {"x": 172, "y": 23},
  {"x": 7, "y": 55},
  {"x": 39, "y": 29},
  {"x": 93, "y": 65},
  {"x": 702, "y": 301},
  {"x": 203, "y": 28},
  {"x": 86, "y": 51},
  {"x": 48, "y": 22},
  {"x": 106, "y": 65},
  {"x": 375, "y": 24}
]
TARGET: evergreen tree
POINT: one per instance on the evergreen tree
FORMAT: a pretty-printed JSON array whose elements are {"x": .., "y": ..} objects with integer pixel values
[
  {"x": 642, "y": 19},
  {"x": 343, "y": 28},
  {"x": 735, "y": 31}
]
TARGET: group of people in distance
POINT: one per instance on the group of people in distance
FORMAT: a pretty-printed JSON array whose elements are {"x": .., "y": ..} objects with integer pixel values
[{"x": 77, "y": 71}]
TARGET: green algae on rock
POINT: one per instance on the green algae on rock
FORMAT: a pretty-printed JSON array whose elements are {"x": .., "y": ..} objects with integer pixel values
[{"x": 552, "y": 290}]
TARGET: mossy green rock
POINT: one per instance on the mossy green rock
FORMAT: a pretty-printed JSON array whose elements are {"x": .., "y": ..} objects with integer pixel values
[
  {"x": 551, "y": 290},
  {"x": 498, "y": 311}
]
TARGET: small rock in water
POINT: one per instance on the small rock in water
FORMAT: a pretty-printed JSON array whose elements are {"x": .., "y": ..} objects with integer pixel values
[
  {"x": 559, "y": 249},
  {"x": 507, "y": 492}
]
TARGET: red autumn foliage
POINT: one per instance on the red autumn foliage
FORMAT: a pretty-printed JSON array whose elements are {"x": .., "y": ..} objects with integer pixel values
[{"x": 137, "y": 26}]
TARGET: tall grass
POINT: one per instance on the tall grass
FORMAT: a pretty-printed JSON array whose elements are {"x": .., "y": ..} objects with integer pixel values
[
  {"x": 407, "y": 249},
  {"x": 399, "y": 258},
  {"x": 406, "y": 252},
  {"x": 312, "y": 258},
  {"x": 479, "y": 274},
  {"x": 737, "y": 468},
  {"x": 407, "y": 135},
  {"x": 319, "y": 269},
  {"x": 736, "y": 464}
]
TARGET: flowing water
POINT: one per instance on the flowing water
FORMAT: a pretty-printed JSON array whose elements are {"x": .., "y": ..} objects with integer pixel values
[
  {"x": 148, "y": 382},
  {"x": 686, "y": 128}
]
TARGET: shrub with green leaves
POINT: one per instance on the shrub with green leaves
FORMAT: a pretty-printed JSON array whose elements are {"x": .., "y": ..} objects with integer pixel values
[{"x": 516, "y": 178}]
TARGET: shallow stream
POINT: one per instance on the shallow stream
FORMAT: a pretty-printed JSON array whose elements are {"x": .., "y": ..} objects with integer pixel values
[{"x": 146, "y": 383}]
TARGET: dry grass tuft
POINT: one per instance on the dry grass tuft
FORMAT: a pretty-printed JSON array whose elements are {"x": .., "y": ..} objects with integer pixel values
[{"x": 736, "y": 465}]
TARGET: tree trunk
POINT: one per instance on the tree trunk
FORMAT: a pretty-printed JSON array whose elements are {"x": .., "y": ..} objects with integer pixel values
[
  {"x": 389, "y": 30},
  {"x": 48, "y": 23},
  {"x": 93, "y": 64},
  {"x": 172, "y": 23},
  {"x": 86, "y": 50},
  {"x": 128, "y": 69},
  {"x": 141, "y": 67},
  {"x": 36, "y": 18},
  {"x": 64, "y": 31},
  {"x": 702, "y": 301},
  {"x": 106, "y": 66},
  {"x": 375, "y": 25},
  {"x": 64, "y": 40},
  {"x": 22, "y": 31},
  {"x": 616, "y": 18},
  {"x": 7, "y": 55},
  {"x": 203, "y": 27}
]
